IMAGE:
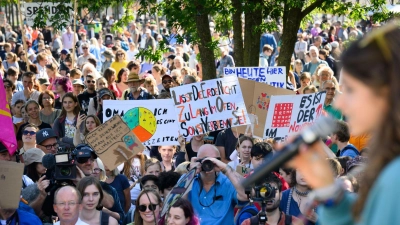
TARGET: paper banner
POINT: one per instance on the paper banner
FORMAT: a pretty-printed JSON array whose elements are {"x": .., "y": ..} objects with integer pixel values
[{"x": 273, "y": 75}]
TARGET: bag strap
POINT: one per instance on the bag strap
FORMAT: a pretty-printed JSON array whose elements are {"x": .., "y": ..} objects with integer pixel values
[
  {"x": 288, "y": 219},
  {"x": 254, "y": 220},
  {"x": 104, "y": 218}
]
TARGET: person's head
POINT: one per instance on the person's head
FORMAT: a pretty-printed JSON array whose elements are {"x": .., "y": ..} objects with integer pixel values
[
  {"x": 7, "y": 47},
  {"x": 167, "y": 82},
  {"x": 330, "y": 88},
  {"x": 341, "y": 134},
  {"x": 122, "y": 75},
  {"x": 32, "y": 108},
  {"x": 85, "y": 157},
  {"x": 77, "y": 86},
  {"x": 148, "y": 207},
  {"x": 134, "y": 82},
  {"x": 28, "y": 78},
  {"x": 343, "y": 163},
  {"x": 305, "y": 79},
  {"x": 120, "y": 55},
  {"x": 17, "y": 107},
  {"x": 29, "y": 134},
  {"x": 46, "y": 99},
  {"x": 90, "y": 82},
  {"x": 132, "y": 46},
  {"x": 85, "y": 48},
  {"x": 91, "y": 122},
  {"x": 350, "y": 183},
  {"x": 178, "y": 62},
  {"x": 70, "y": 104},
  {"x": 325, "y": 73},
  {"x": 101, "y": 82},
  {"x": 167, "y": 152},
  {"x": 42, "y": 59},
  {"x": 134, "y": 67},
  {"x": 46, "y": 140},
  {"x": 151, "y": 85},
  {"x": 67, "y": 204},
  {"x": 286, "y": 173},
  {"x": 176, "y": 78},
  {"x": 267, "y": 49},
  {"x": 310, "y": 89},
  {"x": 297, "y": 178},
  {"x": 182, "y": 213},
  {"x": 335, "y": 166},
  {"x": 208, "y": 151},
  {"x": 109, "y": 75},
  {"x": 99, "y": 172},
  {"x": 298, "y": 65},
  {"x": 92, "y": 193},
  {"x": 258, "y": 153},
  {"x": 150, "y": 181},
  {"x": 89, "y": 69},
  {"x": 152, "y": 166},
  {"x": 189, "y": 79},
  {"x": 243, "y": 146},
  {"x": 167, "y": 181},
  {"x": 11, "y": 57},
  {"x": 51, "y": 69},
  {"x": 157, "y": 71},
  {"x": 63, "y": 85},
  {"x": 33, "y": 163},
  {"x": 273, "y": 198},
  {"x": 12, "y": 73},
  {"x": 314, "y": 52}
]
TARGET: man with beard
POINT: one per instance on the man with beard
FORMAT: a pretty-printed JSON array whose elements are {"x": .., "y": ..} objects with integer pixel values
[
  {"x": 273, "y": 215},
  {"x": 89, "y": 93},
  {"x": 167, "y": 83},
  {"x": 136, "y": 92},
  {"x": 315, "y": 61}
]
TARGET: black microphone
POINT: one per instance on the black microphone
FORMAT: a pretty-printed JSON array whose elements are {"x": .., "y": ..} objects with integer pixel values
[
  {"x": 49, "y": 161},
  {"x": 320, "y": 129}
]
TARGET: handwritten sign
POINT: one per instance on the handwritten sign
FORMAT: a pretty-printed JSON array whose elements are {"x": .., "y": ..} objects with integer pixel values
[
  {"x": 11, "y": 184},
  {"x": 209, "y": 106},
  {"x": 31, "y": 10},
  {"x": 242, "y": 170},
  {"x": 289, "y": 114},
  {"x": 257, "y": 99},
  {"x": 114, "y": 142},
  {"x": 153, "y": 122},
  {"x": 274, "y": 75}
]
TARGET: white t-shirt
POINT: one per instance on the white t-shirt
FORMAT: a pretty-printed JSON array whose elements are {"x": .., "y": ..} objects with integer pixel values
[
  {"x": 79, "y": 222},
  {"x": 131, "y": 55}
]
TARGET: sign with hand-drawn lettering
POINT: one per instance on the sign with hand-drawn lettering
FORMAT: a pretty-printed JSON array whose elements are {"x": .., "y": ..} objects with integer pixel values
[
  {"x": 11, "y": 184},
  {"x": 274, "y": 75},
  {"x": 209, "y": 106},
  {"x": 290, "y": 113},
  {"x": 114, "y": 142},
  {"x": 153, "y": 122}
]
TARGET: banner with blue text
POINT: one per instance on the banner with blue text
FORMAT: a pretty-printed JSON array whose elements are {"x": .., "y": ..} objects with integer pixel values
[{"x": 274, "y": 75}]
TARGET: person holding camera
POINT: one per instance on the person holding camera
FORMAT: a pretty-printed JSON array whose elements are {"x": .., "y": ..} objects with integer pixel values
[
  {"x": 269, "y": 194},
  {"x": 214, "y": 194}
]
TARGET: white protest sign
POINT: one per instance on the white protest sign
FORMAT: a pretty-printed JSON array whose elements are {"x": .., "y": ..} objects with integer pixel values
[
  {"x": 31, "y": 9},
  {"x": 290, "y": 113},
  {"x": 152, "y": 121},
  {"x": 209, "y": 106},
  {"x": 274, "y": 76}
]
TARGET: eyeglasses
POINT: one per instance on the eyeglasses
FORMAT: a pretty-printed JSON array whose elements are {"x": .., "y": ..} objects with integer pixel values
[
  {"x": 330, "y": 89},
  {"x": 84, "y": 160},
  {"x": 84, "y": 48},
  {"x": 90, "y": 81},
  {"x": 120, "y": 54},
  {"x": 167, "y": 81},
  {"x": 49, "y": 147},
  {"x": 31, "y": 133},
  {"x": 63, "y": 204},
  {"x": 151, "y": 207},
  {"x": 96, "y": 170}
]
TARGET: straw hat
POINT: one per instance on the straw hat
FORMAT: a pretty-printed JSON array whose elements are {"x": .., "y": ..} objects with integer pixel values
[{"x": 133, "y": 77}]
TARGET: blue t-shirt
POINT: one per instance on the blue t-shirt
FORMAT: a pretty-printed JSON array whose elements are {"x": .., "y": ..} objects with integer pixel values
[
  {"x": 349, "y": 150},
  {"x": 120, "y": 183}
]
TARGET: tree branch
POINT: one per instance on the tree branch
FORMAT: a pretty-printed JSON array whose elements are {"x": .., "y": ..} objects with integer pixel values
[{"x": 311, "y": 7}]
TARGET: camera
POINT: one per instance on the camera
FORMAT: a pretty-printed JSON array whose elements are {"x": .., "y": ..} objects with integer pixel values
[
  {"x": 207, "y": 165},
  {"x": 265, "y": 191},
  {"x": 65, "y": 169}
]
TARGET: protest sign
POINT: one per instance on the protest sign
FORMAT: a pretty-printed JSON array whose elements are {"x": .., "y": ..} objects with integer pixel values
[
  {"x": 273, "y": 75},
  {"x": 31, "y": 9},
  {"x": 2, "y": 18},
  {"x": 242, "y": 170},
  {"x": 153, "y": 122},
  {"x": 11, "y": 184},
  {"x": 209, "y": 106},
  {"x": 114, "y": 142},
  {"x": 289, "y": 114},
  {"x": 257, "y": 97}
]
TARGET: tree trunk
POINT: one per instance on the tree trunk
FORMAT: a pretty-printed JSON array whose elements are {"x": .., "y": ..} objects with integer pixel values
[
  {"x": 206, "y": 52},
  {"x": 253, "y": 19},
  {"x": 238, "y": 55},
  {"x": 291, "y": 23}
]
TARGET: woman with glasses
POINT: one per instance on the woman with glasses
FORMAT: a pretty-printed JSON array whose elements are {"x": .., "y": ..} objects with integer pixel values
[
  {"x": 120, "y": 61},
  {"x": 11, "y": 60},
  {"x": 28, "y": 139},
  {"x": 65, "y": 125},
  {"x": 90, "y": 121},
  {"x": 92, "y": 195},
  {"x": 48, "y": 113},
  {"x": 63, "y": 86},
  {"x": 148, "y": 207},
  {"x": 121, "y": 185}
]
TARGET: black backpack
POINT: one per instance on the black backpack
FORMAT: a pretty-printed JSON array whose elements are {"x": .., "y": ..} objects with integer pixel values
[{"x": 254, "y": 220}]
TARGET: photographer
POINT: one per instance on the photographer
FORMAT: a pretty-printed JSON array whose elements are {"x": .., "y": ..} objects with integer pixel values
[
  {"x": 214, "y": 195},
  {"x": 269, "y": 193}
]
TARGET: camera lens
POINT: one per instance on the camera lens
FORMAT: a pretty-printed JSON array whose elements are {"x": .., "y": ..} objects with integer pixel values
[
  {"x": 65, "y": 170},
  {"x": 207, "y": 166}
]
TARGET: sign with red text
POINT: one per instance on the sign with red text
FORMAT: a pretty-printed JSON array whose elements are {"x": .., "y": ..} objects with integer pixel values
[
  {"x": 209, "y": 106},
  {"x": 288, "y": 114}
]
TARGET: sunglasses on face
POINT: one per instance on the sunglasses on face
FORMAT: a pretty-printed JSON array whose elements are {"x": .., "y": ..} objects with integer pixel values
[
  {"x": 26, "y": 132},
  {"x": 91, "y": 81},
  {"x": 167, "y": 81},
  {"x": 120, "y": 54},
  {"x": 84, "y": 160},
  {"x": 143, "y": 208}
]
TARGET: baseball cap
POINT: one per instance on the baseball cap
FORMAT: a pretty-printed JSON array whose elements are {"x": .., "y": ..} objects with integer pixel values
[
  {"x": 166, "y": 75},
  {"x": 43, "y": 80},
  {"x": 44, "y": 134},
  {"x": 83, "y": 151},
  {"x": 33, "y": 155},
  {"x": 64, "y": 51},
  {"x": 171, "y": 57},
  {"x": 3, "y": 148},
  {"x": 104, "y": 91},
  {"x": 78, "y": 81}
]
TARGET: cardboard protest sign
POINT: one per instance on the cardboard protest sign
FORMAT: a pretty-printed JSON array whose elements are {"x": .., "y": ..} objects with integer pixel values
[
  {"x": 242, "y": 170},
  {"x": 31, "y": 10},
  {"x": 114, "y": 142},
  {"x": 153, "y": 122},
  {"x": 209, "y": 106},
  {"x": 11, "y": 184},
  {"x": 289, "y": 114},
  {"x": 257, "y": 97},
  {"x": 273, "y": 75}
]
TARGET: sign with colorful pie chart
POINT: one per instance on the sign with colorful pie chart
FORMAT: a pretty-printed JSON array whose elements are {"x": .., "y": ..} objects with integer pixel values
[{"x": 142, "y": 122}]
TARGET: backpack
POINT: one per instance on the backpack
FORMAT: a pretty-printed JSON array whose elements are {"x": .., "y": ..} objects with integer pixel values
[
  {"x": 249, "y": 208},
  {"x": 254, "y": 220},
  {"x": 348, "y": 148}
]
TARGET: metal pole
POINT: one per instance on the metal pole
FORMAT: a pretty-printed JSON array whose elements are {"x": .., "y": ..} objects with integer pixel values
[
  {"x": 74, "y": 33},
  {"x": 23, "y": 36}
]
